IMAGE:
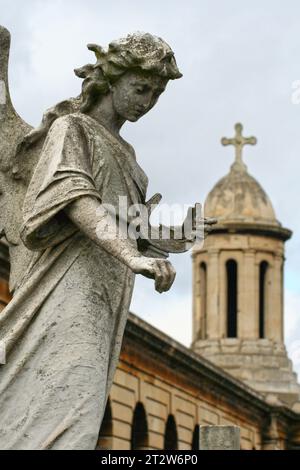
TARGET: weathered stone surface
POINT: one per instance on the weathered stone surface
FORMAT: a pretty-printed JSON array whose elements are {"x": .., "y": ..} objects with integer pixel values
[
  {"x": 219, "y": 438},
  {"x": 259, "y": 367}
]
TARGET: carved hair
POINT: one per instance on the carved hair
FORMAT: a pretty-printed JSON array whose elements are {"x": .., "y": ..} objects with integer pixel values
[{"x": 138, "y": 51}]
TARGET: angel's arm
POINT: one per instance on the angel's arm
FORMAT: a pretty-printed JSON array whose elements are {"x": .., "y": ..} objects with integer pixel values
[{"x": 96, "y": 223}]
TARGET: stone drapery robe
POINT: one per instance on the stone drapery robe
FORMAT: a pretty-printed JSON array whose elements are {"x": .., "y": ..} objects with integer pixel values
[{"x": 64, "y": 326}]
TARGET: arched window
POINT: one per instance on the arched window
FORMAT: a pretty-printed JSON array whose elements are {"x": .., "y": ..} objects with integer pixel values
[
  {"x": 171, "y": 439},
  {"x": 106, "y": 430},
  {"x": 263, "y": 268},
  {"x": 232, "y": 298},
  {"x": 203, "y": 300},
  {"x": 139, "y": 430},
  {"x": 196, "y": 437}
]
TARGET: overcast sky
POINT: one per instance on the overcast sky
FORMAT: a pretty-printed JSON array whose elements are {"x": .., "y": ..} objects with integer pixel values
[{"x": 239, "y": 61}]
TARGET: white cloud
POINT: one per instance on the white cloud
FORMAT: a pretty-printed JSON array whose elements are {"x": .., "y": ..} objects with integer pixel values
[{"x": 169, "y": 312}]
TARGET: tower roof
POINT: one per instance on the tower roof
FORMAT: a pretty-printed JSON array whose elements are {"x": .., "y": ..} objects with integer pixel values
[
  {"x": 239, "y": 197},
  {"x": 238, "y": 200}
]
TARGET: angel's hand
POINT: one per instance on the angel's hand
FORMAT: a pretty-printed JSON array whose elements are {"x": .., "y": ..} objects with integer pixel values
[
  {"x": 195, "y": 226},
  {"x": 155, "y": 268}
]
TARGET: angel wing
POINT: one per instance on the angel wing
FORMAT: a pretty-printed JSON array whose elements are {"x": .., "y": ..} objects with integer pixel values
[
  {"x": 12, "y": 131},
  {"x": 20, "y": 147}
]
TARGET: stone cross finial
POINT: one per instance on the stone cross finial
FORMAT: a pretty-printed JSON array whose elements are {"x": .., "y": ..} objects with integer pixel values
[{"x": 239, "y": 141}]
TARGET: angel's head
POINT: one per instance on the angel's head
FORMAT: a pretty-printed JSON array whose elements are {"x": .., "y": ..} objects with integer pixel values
[{"x": 134, "y": 70}]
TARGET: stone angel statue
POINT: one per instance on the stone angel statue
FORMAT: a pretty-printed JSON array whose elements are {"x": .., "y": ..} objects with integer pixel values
[{"x": 71, "y": 283}]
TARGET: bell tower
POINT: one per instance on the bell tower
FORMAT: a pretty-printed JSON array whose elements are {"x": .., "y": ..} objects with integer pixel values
[{"x": 238, "y": 284}]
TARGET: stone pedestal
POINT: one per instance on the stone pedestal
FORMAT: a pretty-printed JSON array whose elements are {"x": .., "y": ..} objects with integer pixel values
[{"x": 219, "y": 438}]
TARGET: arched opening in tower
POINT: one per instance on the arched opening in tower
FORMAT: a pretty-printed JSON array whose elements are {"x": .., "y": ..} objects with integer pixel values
[
  {"x": 203, "y": 300},
  {"x": 232, "y": 298},
  {"x": 263, "y": 268}
]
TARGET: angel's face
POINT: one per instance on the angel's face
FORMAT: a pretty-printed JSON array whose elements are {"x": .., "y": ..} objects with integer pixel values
[{"x": 135, "y": 93}]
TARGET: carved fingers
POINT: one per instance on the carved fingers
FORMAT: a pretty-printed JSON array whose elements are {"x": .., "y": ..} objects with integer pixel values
[
  {"x": 164, "y": 275},
  {"x": 160, "y": 270}
]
